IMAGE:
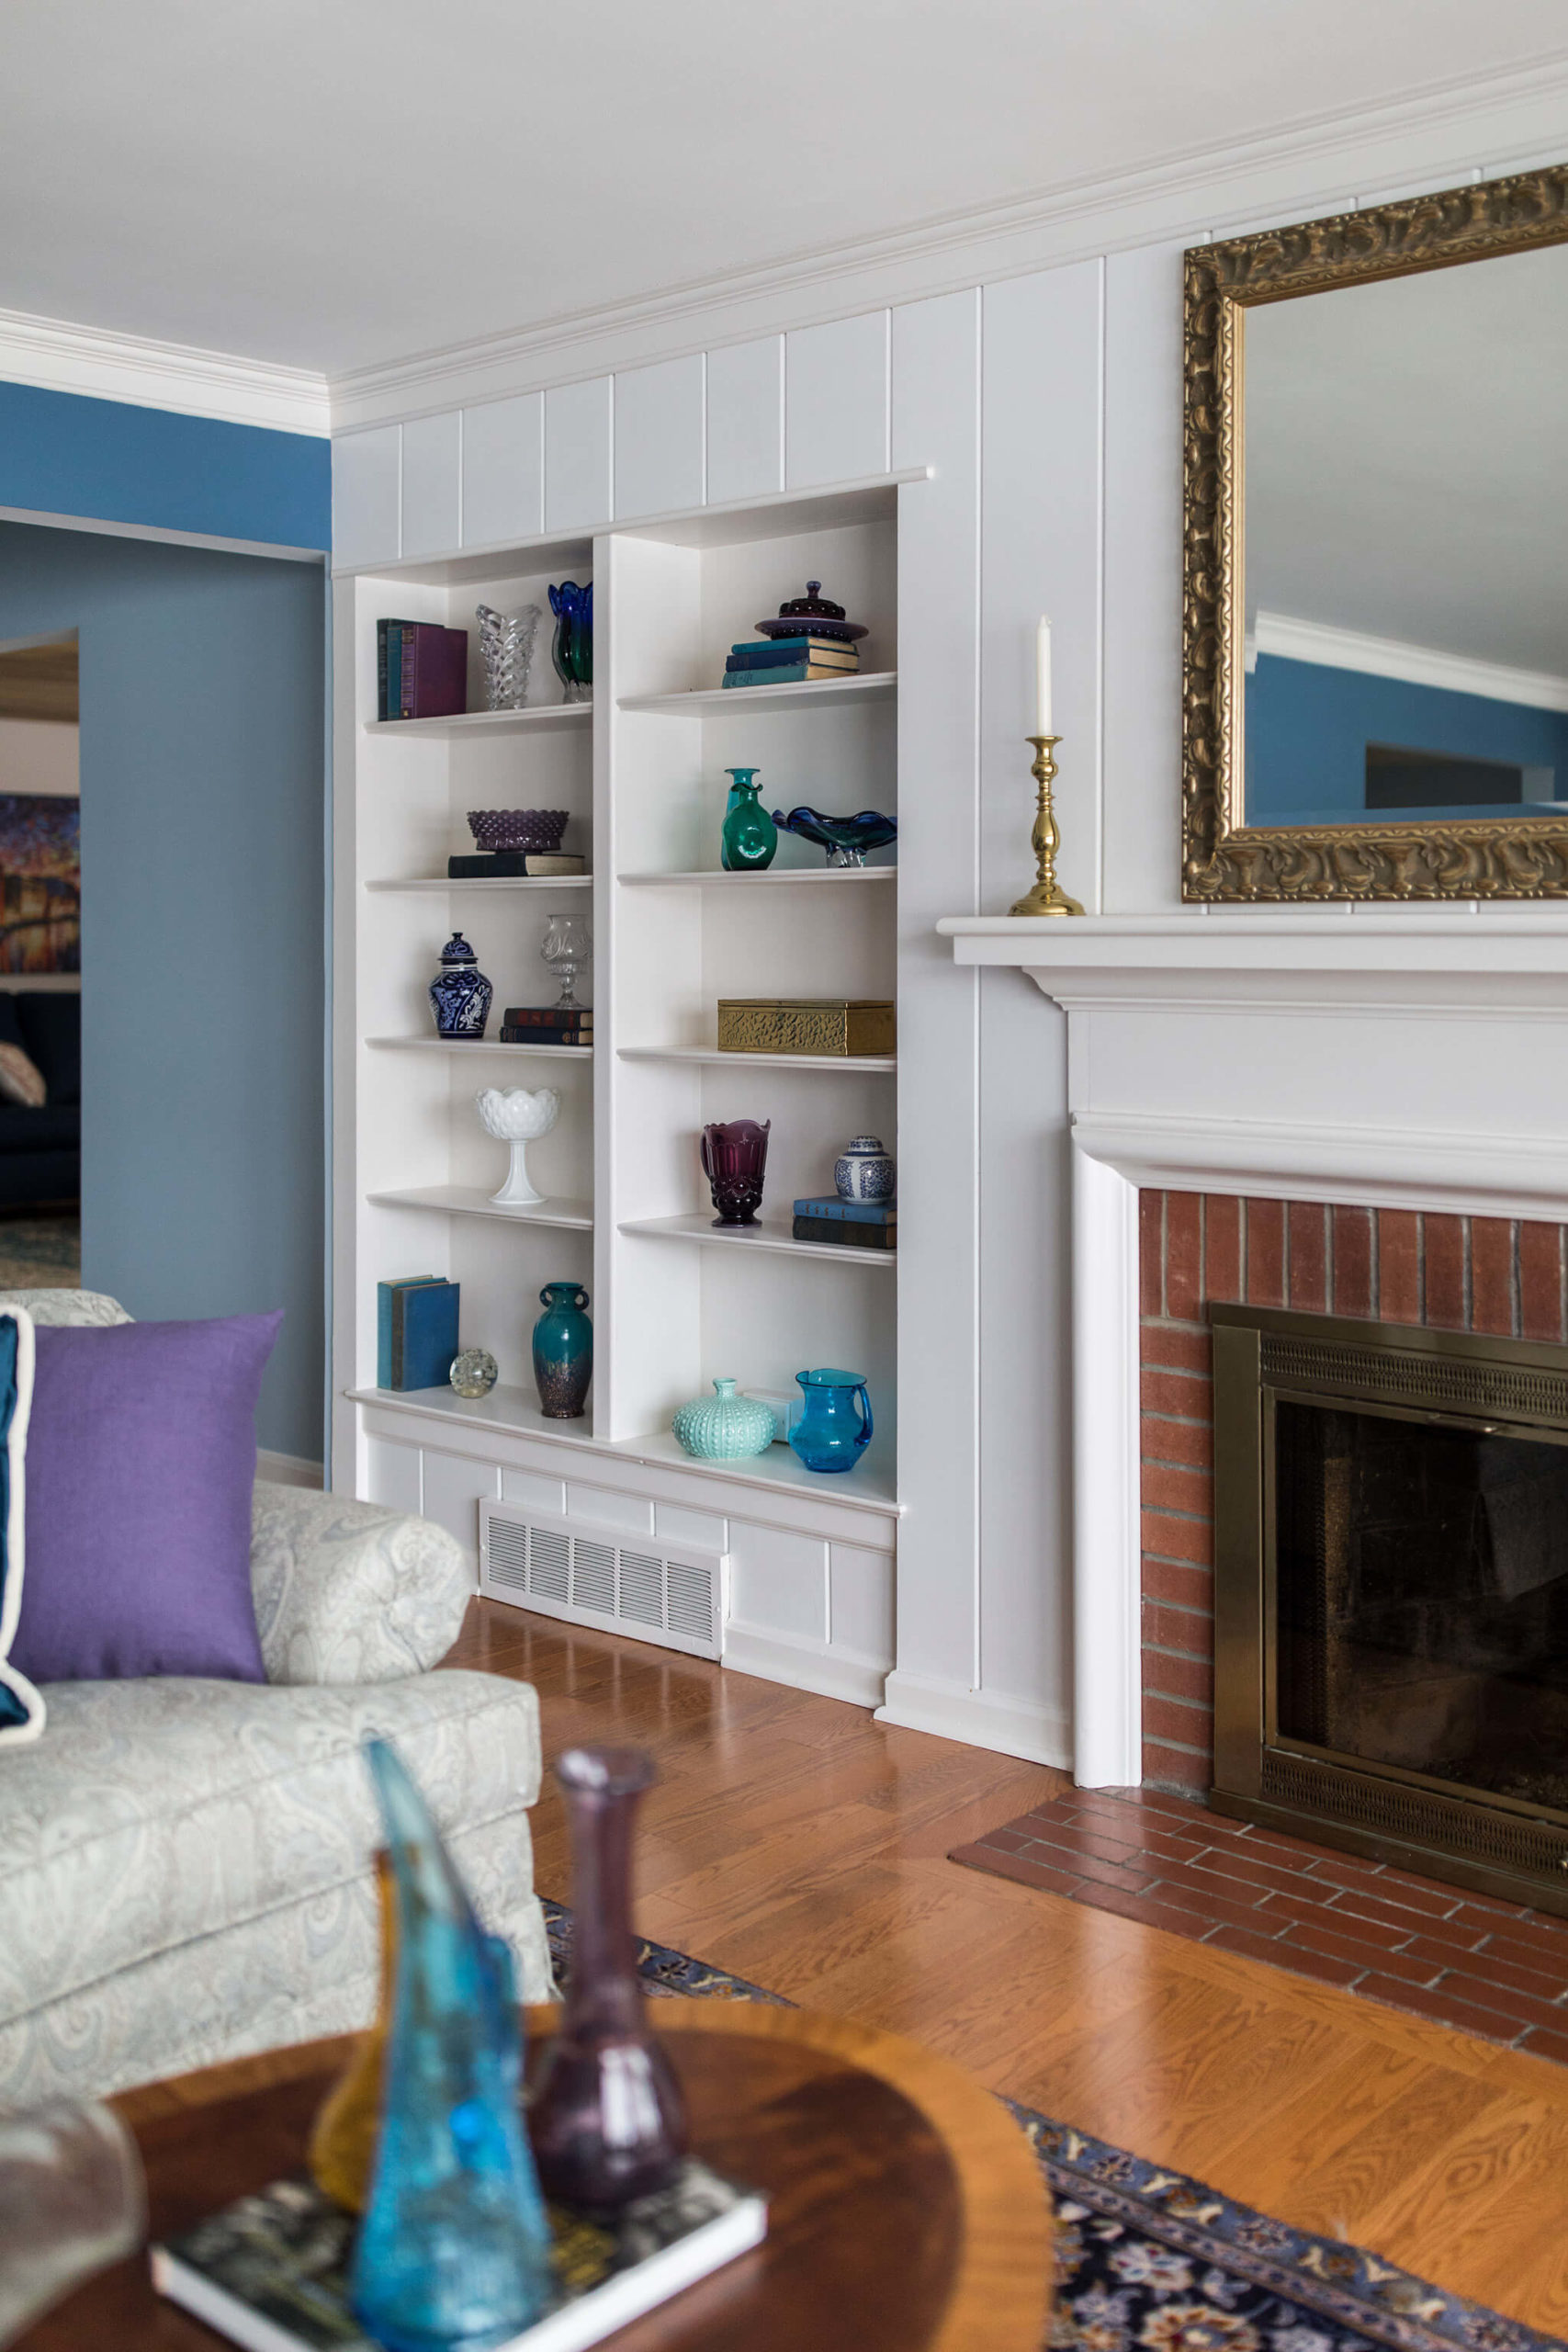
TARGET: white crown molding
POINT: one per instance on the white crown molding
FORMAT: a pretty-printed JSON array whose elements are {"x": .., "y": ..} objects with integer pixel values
[
  {"x": 1448, "y": 133},
  {"x": 1415, "y": 665},
  {"x": 58, "y": 357}
]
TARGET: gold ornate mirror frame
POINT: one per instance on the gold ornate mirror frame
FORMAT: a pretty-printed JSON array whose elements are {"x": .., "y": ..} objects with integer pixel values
[{"x": 1222, "y": 856}]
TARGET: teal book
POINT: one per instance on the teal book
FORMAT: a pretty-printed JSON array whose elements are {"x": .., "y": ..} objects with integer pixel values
[
  {"x": 830, "y": 1204},
  {"x": 385, "y": 1294},
  {"x": 425, "y": 1334}
]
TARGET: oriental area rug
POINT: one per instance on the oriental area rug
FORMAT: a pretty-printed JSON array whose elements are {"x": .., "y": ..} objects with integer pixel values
[{"x": 1146, "y": 2257}]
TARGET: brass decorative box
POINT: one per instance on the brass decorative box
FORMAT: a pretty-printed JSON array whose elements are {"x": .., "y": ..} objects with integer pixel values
[{"x": 811, "y": 1025}]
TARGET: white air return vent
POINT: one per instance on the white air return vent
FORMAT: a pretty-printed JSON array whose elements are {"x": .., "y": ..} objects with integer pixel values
[{"x": 594, "y": 1575}]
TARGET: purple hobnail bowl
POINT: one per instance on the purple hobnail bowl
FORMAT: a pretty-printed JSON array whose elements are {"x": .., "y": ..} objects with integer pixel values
[{"x": 539, "y": 829}]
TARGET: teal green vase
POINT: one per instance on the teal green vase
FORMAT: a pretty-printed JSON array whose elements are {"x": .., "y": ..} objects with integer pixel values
[
  {"x": 750, "y": 838},
  {"x": 724, "y": 1427},
  {"x": 563, "y": 1352}
]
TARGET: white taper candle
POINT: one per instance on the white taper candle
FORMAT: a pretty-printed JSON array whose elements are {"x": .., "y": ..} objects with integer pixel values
[{"x": 1042, "y": 678}]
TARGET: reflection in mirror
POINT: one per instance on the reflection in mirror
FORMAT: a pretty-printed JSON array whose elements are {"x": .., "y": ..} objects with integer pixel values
[{"x": 1407, "y": 546}]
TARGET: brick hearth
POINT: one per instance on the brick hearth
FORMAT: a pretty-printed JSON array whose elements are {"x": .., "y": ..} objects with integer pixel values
[
  {"x": 1489, "y": 1968},
  {"x": 1448, "y": 1272}
]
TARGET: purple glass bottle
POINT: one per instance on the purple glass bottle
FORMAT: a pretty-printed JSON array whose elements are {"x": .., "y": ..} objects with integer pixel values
[{"x": 608, "y": 2122}]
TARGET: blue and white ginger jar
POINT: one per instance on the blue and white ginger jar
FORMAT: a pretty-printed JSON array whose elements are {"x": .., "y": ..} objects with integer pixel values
[
  {"x": 459, "y": 994},
  {"x": 863, "y": 1171}
]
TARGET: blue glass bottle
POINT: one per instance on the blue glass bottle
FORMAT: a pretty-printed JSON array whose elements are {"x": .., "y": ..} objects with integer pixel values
[
  {"x": 835, "y": 1425},
  {"x": 563, "y": 1352},
  {"x": 749, "y": 838},
  {"x": 453, "y": 2254}
]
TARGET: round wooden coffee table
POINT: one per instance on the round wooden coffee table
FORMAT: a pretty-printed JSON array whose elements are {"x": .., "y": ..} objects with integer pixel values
[{"x": 906, "y": 2207}]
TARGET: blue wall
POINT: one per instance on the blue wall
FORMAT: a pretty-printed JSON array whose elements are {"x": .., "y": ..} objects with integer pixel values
[
  {"x": 1308, "y": 727},
  {"x": 63, "y": 454},
  {"x": 202, "y": 685}
]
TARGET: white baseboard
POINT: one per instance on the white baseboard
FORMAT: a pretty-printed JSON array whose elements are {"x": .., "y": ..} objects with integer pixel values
[
  {"x": 288, "y": 1469},
  {"x": 748, "y": 1649},
  {"x": 1037, "y": 1733}
]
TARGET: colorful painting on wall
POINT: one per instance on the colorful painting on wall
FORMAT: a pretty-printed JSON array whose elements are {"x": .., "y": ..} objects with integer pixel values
[{"x": 41, "y": 883}]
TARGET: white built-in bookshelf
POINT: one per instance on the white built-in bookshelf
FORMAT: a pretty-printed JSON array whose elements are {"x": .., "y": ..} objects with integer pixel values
[{"x": 674, "y": 1302}]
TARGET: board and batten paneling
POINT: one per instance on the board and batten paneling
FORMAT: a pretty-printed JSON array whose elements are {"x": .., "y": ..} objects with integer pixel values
[
  {"x": 659, "y": 436},
  {"x": 368, "y": 497},
  {"x": 836, "y": 401},
  {"x": 745, "y": 421},
  {"x": 503, "y": 470},
  {"x": 433, "y": 466},
  {"x": 1142, "y": 580},
  {"x": 577, "y": 454}
]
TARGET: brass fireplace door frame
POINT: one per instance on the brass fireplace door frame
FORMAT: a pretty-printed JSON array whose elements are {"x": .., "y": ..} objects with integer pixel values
[{"x": 1263, "y": 1356}]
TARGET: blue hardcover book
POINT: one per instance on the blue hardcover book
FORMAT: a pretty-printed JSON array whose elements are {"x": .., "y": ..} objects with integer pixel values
[
  {"x": 385, "y": 1294},
  {"x": 778, "y": 656},
  {"x": 850, "y": 1212},
  {"x": 428, "y": 1312},
  {"x": 788, "y": 674}
]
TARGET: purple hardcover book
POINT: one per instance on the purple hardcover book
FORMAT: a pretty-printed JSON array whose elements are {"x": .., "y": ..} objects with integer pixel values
[{"x": 434, "y": 672}]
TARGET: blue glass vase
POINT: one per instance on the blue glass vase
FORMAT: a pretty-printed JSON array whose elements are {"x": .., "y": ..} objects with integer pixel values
[
  {"x": 835, "y": 1424},
  {"x": 563, "y": 1352},
  {"x": 572, "y": 650},
  {"x": 454, "y": 2252}
]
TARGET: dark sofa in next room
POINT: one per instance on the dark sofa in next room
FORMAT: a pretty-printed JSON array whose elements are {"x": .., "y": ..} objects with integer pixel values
[{"x": 40, "y": 1151}]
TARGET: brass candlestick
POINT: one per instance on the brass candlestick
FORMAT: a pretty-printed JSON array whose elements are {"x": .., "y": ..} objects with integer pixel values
[{"x": 1047, "y": 897}]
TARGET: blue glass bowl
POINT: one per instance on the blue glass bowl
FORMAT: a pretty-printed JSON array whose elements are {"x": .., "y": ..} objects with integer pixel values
[{"x": 845, "y": 839}]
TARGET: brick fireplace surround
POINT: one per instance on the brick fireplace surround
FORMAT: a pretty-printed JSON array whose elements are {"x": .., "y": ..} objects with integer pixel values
[{"x": 1455, "y": 1273}]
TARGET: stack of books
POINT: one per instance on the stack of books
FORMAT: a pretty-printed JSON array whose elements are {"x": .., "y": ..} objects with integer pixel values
[
  {"x": 512, "y": 865},
  {"x": 416, "y": 1331},
  {"x": 785, "y": 661},
  {"x": 546, "y": 1024},
  {"x": 422, "y": 670},
  {"x": 851, "y": 1224}
]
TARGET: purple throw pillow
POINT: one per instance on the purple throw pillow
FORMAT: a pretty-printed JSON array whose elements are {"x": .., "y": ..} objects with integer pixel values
[{"x": 141, "y": 1456}]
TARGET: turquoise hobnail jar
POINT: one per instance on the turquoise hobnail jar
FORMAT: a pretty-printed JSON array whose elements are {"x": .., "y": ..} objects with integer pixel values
[{"x": 724, "y": 1427}]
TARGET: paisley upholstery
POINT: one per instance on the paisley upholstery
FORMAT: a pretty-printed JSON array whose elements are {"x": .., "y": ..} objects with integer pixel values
[{"x": 185, "y": 1864}]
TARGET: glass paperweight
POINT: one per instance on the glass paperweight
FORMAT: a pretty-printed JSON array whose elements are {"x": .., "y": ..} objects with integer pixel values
[
  {"x": 474, "y": 1372},
  {"x": 454, "y": 2250}
]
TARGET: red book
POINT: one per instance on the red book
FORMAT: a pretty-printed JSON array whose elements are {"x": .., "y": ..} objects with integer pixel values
[{"x": 435, "y": 671}]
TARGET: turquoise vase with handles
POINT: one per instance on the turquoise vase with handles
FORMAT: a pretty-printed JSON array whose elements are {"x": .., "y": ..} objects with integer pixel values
[
  {"x": 835, "y": 1424},
  {"x": 563, "y": 1352}
]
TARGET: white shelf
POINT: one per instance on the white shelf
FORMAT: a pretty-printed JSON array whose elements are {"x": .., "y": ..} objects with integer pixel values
[
  {"x": 512, "y": 1412},
  {"x": 873, "y": 685},
  {"x": 762, "y": 1236},
  {"x": 482, "y": 1046},
  {"x": 838, "y": 877},
  {"x": 882, "y": 1064},
  {"x": 487, "y": 882},
  {"x": 488, "y": 722},
  {"x": 472, "y": 1200}
]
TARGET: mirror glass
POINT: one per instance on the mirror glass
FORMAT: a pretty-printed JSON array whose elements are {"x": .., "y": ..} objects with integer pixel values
[{"x": 1407, "y": 546}]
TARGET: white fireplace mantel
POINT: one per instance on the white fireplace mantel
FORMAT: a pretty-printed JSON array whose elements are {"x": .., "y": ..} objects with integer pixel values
[{"x": 1387, "y": 1055}]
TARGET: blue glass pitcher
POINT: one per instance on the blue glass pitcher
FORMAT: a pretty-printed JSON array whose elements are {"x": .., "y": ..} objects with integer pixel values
[{"x": 835, "y": 1424}]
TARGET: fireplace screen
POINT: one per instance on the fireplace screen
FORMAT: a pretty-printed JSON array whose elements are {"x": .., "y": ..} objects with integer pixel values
[
  {"x": 1421, "y": 1577},
  {"x": 1392, "y": 1593}
]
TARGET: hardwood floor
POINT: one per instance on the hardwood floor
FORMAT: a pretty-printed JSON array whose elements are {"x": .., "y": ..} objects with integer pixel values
[{"x": 795, "y": 1840}]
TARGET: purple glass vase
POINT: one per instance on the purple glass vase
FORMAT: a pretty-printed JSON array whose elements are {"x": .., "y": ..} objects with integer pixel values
[
  {"x": 735, "y": 1155},
  {"x": 608, "y": 2122}
]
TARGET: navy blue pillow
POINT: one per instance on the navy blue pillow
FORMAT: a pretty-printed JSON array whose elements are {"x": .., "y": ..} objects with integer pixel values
[{"x": 52, "y": 1031}]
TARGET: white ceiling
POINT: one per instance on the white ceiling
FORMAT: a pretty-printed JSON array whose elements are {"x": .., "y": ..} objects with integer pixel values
[
  {"x": 1408, "y": 462},
  {"x": 332, "y": 183}
]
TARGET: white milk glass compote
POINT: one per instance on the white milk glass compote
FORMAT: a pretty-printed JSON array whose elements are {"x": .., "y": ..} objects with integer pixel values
[{"x": 514, "y": 1114}]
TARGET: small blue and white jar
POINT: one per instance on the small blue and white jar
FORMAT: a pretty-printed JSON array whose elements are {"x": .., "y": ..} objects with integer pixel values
[
  {"x": 459, "y": 994},
  {"x": 863, "y": 1171}
]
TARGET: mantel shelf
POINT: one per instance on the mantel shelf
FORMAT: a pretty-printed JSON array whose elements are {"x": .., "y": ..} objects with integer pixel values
[
  {"x": 881, "y": 1064},
  {"x": 485, "y": 882},
  {"x": 514, "y": 1412},
  {"x": 762, "y": 1235},
  {"x": 488, "y": 722},
  {"x": 472, "y": 1200},
  {"x": 838, "y": 877},
  {"x": 871, "y": 685},
  {"x": 483, "y": 1046}
]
